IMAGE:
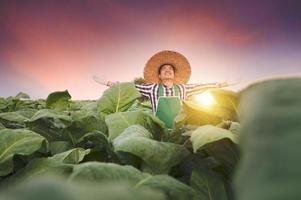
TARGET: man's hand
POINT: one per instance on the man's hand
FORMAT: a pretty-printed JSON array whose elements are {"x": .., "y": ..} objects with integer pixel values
[
  {"x": 103, "y": 81},
  {"x": 110, "y": 84},
  {"x": 100, "y": 79}
]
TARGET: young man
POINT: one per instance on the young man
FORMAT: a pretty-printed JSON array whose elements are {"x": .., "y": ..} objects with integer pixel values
[{"x": 166, "y": 74}]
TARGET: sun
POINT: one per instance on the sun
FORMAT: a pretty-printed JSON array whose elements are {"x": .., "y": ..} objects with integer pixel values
[{"x": 205, "y": 99}]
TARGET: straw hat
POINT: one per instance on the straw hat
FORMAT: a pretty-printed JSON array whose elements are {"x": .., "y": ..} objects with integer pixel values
[{"x": 181, "y": 64}]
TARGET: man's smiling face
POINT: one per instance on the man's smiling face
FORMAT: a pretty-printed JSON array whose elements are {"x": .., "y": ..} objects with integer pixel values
[{"x": 166, "y": 72}]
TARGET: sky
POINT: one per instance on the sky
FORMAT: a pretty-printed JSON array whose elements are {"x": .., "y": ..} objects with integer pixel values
[{"x": 56, "y": 45}]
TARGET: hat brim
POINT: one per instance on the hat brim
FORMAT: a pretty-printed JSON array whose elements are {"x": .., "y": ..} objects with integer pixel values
[{"x": 181, "y": 64}]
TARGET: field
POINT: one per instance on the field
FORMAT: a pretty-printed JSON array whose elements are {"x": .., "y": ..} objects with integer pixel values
[{"x": 115, "y": 148}]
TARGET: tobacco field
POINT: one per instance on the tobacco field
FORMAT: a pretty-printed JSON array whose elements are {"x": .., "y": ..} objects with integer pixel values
[{"x": 115, "y": 148}]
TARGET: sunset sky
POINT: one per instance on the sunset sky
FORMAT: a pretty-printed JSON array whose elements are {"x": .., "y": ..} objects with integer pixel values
[{"x": 54, "y": 45}]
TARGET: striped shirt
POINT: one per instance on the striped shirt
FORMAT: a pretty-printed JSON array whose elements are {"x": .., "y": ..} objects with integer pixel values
[{"x": 151, "y": 91}]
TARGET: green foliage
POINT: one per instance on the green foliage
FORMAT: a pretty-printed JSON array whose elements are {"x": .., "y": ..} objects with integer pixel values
[
  {"x": 22, "y": 95},
  {"x": 58, "y": 100},
  {"x": 115, "y": 148},
  {"x": 219, "y": 143},
  {"x": 173, "y": 188},
  {"x": 208, "y": 134},
  {"x": 51, "y": 124},
  {"x": 270, "y": 141},
  {"x": 58, "y": 164},
  {"x": 49, "y": 187},
  {"x": 225, "y": 108},
  {"x": 207, "y": 184},
  {"x": 138, "y": 141},
  {"x": 118, "y": 98},
  {"x": 13, "y": 120},
  {"x": 86, "y": 121},
  {"x": 2, "y": 126},
  {"x": 96, "y": 171},
  {"x": 12, "y": 104},
  {"x": 17, "y": 142},
  {"x": 118, "y": 122},
  {"x": 101, "y": 149}
]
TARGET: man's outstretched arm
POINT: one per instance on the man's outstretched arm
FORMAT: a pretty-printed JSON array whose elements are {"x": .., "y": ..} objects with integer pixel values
[
  {"x": 103, "y": 81},
  {"x": 144, "y": 89},
  {"x": 191, "y": 89}
]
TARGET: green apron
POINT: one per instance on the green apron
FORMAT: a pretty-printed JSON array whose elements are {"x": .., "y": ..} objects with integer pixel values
[{"x": 168, "y": 107}]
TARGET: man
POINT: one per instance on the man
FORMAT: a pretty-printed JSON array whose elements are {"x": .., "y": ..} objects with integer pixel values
[{"x": 166, "y": 74}]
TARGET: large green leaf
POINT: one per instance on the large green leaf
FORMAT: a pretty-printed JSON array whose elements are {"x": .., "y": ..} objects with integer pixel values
[
  {"x": 138, "y": 105},
  {"x": 58, "y": 164},
  {"x": 194, "y": 114},
  {"x": 95, "y": 139},
  {"x": 47, "y": 113},
  {"x": 101, "y": 149},
  {"x": 59, "y": 147},
  {"x": 118, "y": 98},
  {"x": 84, "y": 121},
  {"x": 17, "y": 142},
  {"x": 87, "y": 105},
  {"x": 22, "y": 95},
  {"x": 235, "y": 128},
  {"x": 13, "y": 120},
  {"x": 226, "y": 153},
  {"x": 208, "y": 185},
  {"x": 224, "y": 108},
  {"x": 270, "y": 141},
  {"x": 218, "y": 143},
  {"x": 12, "y": 104},
  {"x": 27, "y": 112},
  {"x": 58, "y": 100},
  {"x": 118, "y": 122},
  {"x": 2, "y": 105},
  {"x": 2, "y": 126},
  {"x": 226, "y": 99},
  {"x": 49, "y": 188},
  {"x": 96, "y": 171},
  {"x": 174, "y": 189},
  {"x": 208, "y": 134},
  {"x": 51, "y": 124},
  {"x": 72, "y": 156},
  {"x": 158, "y": 157}
]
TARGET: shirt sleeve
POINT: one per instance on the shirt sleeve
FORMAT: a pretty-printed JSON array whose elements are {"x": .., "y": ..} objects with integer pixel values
[
  {"x": 191, "y": 89},
  {"x": 145, "y": 89}
]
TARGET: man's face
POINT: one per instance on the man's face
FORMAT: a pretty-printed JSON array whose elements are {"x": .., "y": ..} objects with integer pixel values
[{"x": 166, "y": 72}]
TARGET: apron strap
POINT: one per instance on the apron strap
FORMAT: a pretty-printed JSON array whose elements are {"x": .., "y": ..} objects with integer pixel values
[
  {"x": 177, "y": 90},
  {"x": 161, "y": 90}
]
